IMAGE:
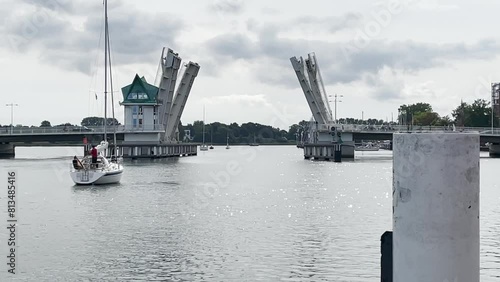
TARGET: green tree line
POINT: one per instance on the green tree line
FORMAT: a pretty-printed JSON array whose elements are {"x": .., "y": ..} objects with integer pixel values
[
  {"x": 88, "y": 121},
  {"x": 476, "y": 114},
  {"x": 218, "y": 133}
]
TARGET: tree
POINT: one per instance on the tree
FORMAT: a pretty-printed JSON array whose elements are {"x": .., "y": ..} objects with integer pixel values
[
  {"x": 477, "y": 114},
  {"x": 458, "y": 114},
  {"x": 45, "y": 123},
  {"x": 426, "y": 118},
  {"x": 444, "y": 121},
  {"x": 197, "y": 131},
  {"x": 180, "y": 128},
  {"x": 65, "y": 124},
  {"x": 98, "y": 121},
  {"x": 112, "y": 121},
  {"x": 407, "y": 112},
  {"x": 292, "y": 131},
  {"x": 480, "y": 114}
]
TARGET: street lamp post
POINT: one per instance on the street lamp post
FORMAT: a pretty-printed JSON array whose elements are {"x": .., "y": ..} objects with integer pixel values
[
  {"x": 11, "y": 105},
  {"x": 335, "y": 100}
]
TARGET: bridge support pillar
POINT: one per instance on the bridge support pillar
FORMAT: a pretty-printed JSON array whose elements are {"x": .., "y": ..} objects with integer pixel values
[
  {"x": 348, "y": 150},
  {"x": 7, "y": 150},
  {"x": 494, "y": 150}
]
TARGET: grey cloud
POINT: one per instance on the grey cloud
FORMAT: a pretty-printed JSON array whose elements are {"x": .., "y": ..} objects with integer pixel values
[
  {"x": 44, "y": 27},
  {"x": 209, "y": 67},
  {"x": 412, "y": 56},
  {"x": 270, "y": 11},
  {"x": 53, "y": 5},
  {"x": 331, "y": 24},
  {"x": 136, "y": 37},
  {"x": 142, "y": 33},
  {"x": 384, "y": 89},
  {"x": 284, "y": 78},
  {"x": 340, "y": 67},
  {"x": 387, "y": 92},
  {"x": 365, "y": 64},
  {"x": 309, "y": 24},
  {"x": 227, "y": 6},
  {"x": 72, "y": 6},
  {"x": 236, "y": 46},
  {"x": 405, "y": 55}
]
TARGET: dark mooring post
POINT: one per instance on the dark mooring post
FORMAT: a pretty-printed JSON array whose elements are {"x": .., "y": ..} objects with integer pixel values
[
  {"x": 338, "y": 153},
  {"x": 386, "y": 259}
]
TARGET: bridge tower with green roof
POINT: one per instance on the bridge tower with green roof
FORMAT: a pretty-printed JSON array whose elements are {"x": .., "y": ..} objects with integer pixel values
[{"x": 141, "y": 108}]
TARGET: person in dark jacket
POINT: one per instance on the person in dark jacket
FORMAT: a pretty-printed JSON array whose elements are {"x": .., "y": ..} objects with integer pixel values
[
  {"x": 93, "y": 153},
  {"x": 76, "y": 163}
]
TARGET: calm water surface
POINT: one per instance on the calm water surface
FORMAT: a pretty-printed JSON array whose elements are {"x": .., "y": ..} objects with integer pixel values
[{"x": 245, "y": 214}]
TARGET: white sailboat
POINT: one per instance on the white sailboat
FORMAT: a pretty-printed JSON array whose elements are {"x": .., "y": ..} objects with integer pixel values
[
  {"x": 254, "y": 142},
  {"x": 367, "y": 147},
  {"x": 227, "y": 144},
  {"x": 211, "y": 139},
  {"x": 83, "y": 171},
  {"x": 203, "y": 146}
]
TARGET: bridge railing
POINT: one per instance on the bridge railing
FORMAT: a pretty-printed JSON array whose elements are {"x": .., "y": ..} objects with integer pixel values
[
  {"x": 77, "y": 129},
  {"x": 414, "y": 128}
]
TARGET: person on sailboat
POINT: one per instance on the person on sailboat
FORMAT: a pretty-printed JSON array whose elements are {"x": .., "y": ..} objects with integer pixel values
[
  {"x": 93, "y": 152},
  {"x": 76, "y": 163}
]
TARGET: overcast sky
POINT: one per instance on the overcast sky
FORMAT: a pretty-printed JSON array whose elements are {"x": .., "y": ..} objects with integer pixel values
[{"x": 378, "y": 55}]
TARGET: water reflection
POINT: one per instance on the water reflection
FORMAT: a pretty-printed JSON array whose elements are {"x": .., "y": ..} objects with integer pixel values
[{"x": 281, "y": 218}]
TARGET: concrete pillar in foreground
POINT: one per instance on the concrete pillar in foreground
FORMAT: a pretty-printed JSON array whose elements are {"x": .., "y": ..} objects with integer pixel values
[{"x": 436, "y": 207}]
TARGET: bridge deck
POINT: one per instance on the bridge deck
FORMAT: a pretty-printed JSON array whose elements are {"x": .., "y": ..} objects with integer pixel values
[{"x": 75, "y": 135}]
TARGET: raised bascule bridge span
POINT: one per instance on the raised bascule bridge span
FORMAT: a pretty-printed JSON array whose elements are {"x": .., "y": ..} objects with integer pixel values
[{"x": 327, "y": 140}]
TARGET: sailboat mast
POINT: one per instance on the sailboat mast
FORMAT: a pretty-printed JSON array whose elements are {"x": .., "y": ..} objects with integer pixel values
[
  {"x": 115, "y": 149},
  {"x": 203, "y": 125},
  {"x": 105, "y": 67}
]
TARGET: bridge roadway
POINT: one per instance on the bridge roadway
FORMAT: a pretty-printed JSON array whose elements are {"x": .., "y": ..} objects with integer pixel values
[
  {"x": 38, "y": 136},
  {"x": 363, "y": 132},
  {"x": 28, "y": 137},
  {"x": 33, "y": 136},
  {"x": 59, "y": 136}
]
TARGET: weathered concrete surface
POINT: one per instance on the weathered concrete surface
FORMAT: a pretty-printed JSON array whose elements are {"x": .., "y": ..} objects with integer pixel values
[{"x": 436, "y": 207}]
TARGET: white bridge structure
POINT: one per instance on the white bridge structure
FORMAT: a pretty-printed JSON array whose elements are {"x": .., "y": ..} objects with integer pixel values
[
  {"x": 311, "y": 82},
  {"x": 173, "y": 103},
  {"x": 325, "y": 133}
]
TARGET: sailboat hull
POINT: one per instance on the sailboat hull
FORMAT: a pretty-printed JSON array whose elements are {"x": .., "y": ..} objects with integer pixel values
[
  {"x": 107, "y": 174},
  {"x": 89, "y": 177}
]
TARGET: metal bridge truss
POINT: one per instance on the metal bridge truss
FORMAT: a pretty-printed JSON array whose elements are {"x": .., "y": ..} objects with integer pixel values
[
  {"x": 309, "y": 76},
  {"x": 173, "y": 102}
]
